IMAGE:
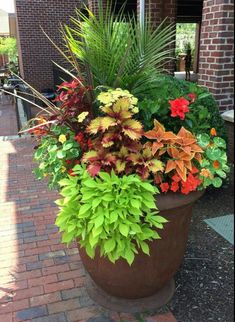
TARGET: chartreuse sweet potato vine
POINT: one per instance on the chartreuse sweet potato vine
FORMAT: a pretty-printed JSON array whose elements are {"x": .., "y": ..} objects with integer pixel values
[{"x": 117, "y": 215}]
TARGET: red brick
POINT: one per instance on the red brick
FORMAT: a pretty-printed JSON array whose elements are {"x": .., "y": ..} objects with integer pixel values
[
  {"x": 71, "y": 274},
  {"x": 63, "y": 306},
  {"x": 79, "y": 281},
  {"x": 45, "y": 299},
  {"x": 37, "y": 250},
  {"x": 6, "y": 317},
  {"x": 29, "y": 274},
  {"x": 54, "y": 287},
  {"x": 27, "y": 293},
  {"x": 14, "y": 306},
  {"x": 42, "y": 280},
  {"x": 168, "y": 317},
  {"x": 55, "y": 269},
  {"x": 83, "y": 314}
]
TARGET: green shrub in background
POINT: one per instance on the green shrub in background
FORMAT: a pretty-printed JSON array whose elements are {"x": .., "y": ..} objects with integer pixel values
[{"x": 204, "y": 112}]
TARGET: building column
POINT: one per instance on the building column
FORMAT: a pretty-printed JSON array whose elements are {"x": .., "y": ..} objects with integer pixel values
[
  {"x": 217, "y": 51},
  {"x": 93, "y": 5},
  {"x": 157, "y": 11}
]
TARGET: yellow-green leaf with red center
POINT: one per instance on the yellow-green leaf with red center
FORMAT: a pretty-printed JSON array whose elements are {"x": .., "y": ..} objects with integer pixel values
[
  {"x": 100, "y": 124},
  {"x": 90, "y": 156},
  {"x": 133, "y": 129}
]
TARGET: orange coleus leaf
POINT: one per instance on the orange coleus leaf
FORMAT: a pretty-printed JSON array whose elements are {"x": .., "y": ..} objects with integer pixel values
[
  {"x": 170, "y": 166},
  {"x": 182, "y": 174},
  {"x": 133, "y": 129},
  {"x": 188, "y": 141},
  {"x": 161, "y": 136}
]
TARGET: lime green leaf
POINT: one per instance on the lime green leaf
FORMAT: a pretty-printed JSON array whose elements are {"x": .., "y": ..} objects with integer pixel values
[
  {"x": 84, "y": 208},
  {"x": 219, "y": 142},
  {"x": 124, "y": 229},
  {"x": 99, "y": 221},
  {"x": 145, "y": 247},
  {"x": 129, "y": 256},
  {"x": 217, "y": 182},
  {"x": 161, "y": 219},
  {"x": 109, "y": 245}
]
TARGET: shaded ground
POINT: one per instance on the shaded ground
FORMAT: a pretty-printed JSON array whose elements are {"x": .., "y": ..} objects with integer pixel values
[{"x": 205, "y": 282}]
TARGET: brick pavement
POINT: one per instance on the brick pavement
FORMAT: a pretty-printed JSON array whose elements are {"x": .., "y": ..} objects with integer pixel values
[
  {"x": 8, "y": 125},
  {"x": 41, "y": 280}
]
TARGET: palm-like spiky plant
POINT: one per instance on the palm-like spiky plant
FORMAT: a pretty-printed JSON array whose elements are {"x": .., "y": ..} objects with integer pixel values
[{"x": 116, "y": 51}]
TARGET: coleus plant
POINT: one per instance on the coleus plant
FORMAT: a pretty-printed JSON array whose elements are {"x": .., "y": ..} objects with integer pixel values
[{"x": 117, "y": 143}]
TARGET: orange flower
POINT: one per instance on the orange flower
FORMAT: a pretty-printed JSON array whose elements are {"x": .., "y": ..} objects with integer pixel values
[
  {"x": 216, "y": 164},
  {"x": 213, "y": 132},
  {"x": 205, "y": 173}
]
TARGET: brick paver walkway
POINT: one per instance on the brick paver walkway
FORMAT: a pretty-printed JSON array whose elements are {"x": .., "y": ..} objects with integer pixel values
[
  {"x": 40, "y": 279},
  {"x": 8, "y": 125}
]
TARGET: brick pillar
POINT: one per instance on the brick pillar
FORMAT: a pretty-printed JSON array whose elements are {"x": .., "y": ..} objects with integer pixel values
[
  {"x": 35, "y": 50},
  {"x": 93, "y": 5},
  {"x": 157, "y": 11},
  {"x": 217, "y": 51}
]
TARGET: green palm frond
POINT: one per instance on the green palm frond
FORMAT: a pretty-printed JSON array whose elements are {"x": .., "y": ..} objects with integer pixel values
[{"x": 118, "y": 50}]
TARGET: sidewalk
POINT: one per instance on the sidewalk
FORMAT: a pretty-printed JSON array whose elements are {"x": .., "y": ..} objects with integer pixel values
[{"x": 8, "y": 125}]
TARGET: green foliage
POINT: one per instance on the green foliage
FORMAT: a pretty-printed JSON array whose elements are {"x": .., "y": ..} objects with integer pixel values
[
  {"x": 204, "y": 113},
  {"x": 53, "y": 154},
  {"x": 117, "y": 215},
  {"x": 8, "y": 46},
  {"x": 214, "y": 160},
  {"x": 116, "y": 51}
]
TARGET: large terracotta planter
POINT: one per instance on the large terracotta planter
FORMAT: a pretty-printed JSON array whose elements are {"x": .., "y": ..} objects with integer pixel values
[{"x": 148, "y": 274}]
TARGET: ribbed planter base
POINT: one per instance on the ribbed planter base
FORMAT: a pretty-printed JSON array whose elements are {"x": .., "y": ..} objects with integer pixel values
[{"x": 156, "y": 301}]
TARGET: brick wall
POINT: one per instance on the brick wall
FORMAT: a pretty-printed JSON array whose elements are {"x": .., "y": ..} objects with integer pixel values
[
  {"x": 157, "y": 11},
  {"x": 217, "y": 51},
  {"x": 36, "y": 52},
  {"x": 93, "y": 5}
]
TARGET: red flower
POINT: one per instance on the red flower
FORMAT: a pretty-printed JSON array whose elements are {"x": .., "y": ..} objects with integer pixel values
[
  {"x": 71, "y": 173},
  {"x": 68, "y": 162},
  {"x": 179, "y": 107},
  {"x": 192, "y": 97},
  {"x": 77, "y": 162},
  {"x": 176, "y": 178},
  {"x": 190, "y": 184},
  {"x": 164, "y": 187},
  {"x": 89, "y": 143},
  {"x": 175, "y": 186},
  {"x": 79, "y": 138},
  {"x": 194, "y": 170}
]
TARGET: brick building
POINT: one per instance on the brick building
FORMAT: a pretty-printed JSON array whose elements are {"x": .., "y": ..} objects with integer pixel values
[{"x": 215, "y": 35}]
